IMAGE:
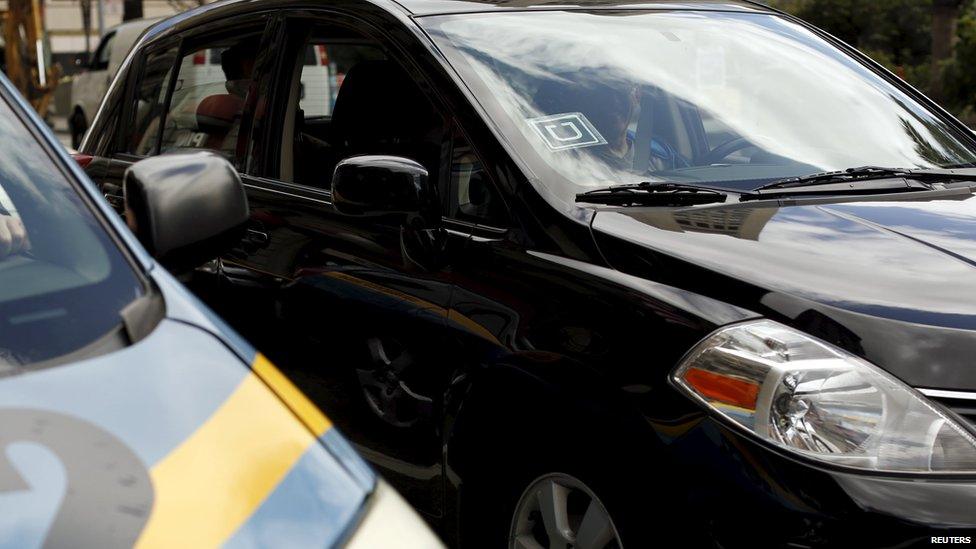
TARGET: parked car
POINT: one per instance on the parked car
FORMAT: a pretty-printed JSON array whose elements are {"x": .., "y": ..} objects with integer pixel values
[
  {"x": 575, "y": 276},
  {"x": 89, "y": 86},
  {"x": 129, "y": 413}
]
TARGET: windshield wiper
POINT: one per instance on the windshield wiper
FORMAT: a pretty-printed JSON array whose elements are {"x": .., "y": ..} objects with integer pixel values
[
  {"x": 867, "y": 173},
  {"x": 653, "y": 193},
  {"x": 863, "y": 180}
]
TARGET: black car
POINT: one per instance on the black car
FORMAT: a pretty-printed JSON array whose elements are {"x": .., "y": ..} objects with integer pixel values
[{"x": 595, "y": 274}]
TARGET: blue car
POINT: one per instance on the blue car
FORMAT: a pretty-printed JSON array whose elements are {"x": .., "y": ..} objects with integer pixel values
[{"x": 129, "y": 413}]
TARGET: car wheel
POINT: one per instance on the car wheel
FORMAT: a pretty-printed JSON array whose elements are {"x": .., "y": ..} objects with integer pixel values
[
  {"x": 559, "y": 510},
  {"x": 77, "y": 126}
]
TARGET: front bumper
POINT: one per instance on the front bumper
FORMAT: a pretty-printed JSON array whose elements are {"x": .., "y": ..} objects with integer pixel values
[{"x": 744, "y": 494}]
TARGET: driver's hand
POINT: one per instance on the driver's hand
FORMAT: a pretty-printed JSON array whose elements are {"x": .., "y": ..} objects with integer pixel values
[{"x": 13, "y": 236}]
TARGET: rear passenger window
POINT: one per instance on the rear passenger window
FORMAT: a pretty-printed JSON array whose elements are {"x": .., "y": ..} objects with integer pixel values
[
  {"x": 212, "y": 86},
  {"x": 194, "y": 97}
]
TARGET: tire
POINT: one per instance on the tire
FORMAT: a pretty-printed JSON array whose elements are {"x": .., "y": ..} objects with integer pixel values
[{"x": 77, "y": 125}]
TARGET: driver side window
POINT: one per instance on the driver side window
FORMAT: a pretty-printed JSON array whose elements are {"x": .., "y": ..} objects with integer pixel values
[{"x": 347, "y": 98}]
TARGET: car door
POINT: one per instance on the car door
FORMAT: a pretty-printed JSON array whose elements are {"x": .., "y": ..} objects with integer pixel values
[{"x": 359, "y": 304}]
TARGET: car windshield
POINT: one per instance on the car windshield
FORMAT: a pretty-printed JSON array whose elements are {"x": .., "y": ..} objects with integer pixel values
[
  {"x": 63, "y": 280},
  {"x": 588, "y": 99}
]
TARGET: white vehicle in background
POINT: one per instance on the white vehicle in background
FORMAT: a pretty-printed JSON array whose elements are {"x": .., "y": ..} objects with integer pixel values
[
  {"x": 319, "y": 84},
  {"x": 89, "y": 87}
]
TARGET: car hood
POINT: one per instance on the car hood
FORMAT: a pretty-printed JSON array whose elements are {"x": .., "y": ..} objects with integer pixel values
[
  {"x": 891, "y": 280},
  {"x": 172, "y": 441}
]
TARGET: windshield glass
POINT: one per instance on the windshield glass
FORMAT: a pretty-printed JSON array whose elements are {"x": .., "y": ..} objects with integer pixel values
[
  {"x": 62, "y": 279},
  {"x": 733, "y": 100}
]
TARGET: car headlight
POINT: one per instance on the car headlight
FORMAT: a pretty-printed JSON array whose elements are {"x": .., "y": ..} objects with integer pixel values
[{"x": 811, "y": 398}]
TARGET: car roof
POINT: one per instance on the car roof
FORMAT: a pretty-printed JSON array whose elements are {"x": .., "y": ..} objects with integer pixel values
[
  {"x": 434, "y": 7},
  {"x": 222, "y": 8}
]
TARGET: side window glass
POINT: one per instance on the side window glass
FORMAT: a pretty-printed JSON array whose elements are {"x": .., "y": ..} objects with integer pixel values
[
  {"x": 319, "y": 142},
  {"x": 324, "y": 69},
  {"x": 212, "y": 87},
  {"x": 148, "y": 102},
  {"x": 473, "y": 197}
]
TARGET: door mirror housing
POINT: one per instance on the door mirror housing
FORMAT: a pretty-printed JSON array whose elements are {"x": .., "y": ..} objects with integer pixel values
[
  {"x": 379, "y": 185},
  {"x": 185, "y": 208}
]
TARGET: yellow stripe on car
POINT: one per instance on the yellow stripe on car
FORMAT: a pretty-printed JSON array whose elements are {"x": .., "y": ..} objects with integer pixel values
[
  {"x": 209, "y": 485},
  {"x": 313, "y": 418}
]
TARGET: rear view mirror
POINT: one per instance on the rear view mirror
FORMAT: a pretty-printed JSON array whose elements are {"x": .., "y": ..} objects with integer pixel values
[{"x": 185, "y": 208}]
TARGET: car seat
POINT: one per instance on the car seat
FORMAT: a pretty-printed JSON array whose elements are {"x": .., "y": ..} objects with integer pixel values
[{"x": 219, "y": 117}]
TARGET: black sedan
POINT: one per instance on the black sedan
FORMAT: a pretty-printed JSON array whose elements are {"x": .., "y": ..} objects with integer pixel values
[{"x": 590, "y": 274}]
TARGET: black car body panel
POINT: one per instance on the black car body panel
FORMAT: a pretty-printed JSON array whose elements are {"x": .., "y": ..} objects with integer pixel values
[
  {"x": 884, "y": 280},
  {"x": 549, "y": 335}
]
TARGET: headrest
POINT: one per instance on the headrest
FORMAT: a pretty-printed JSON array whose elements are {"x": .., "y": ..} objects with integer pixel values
[
  {"x": 379, "y": 102},
  {"x": 218, "y": 112}
]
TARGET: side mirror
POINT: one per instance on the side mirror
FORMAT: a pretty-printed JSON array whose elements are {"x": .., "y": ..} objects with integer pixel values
[
  {"x": 376, "y": 185},
  {"x": 185, "y": 208}
]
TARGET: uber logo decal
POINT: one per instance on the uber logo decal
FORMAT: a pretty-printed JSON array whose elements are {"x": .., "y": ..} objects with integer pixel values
[{"x": 567, "y": 131}]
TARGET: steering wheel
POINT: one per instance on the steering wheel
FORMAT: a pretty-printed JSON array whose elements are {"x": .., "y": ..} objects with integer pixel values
[{"x": 725, "y": 149}]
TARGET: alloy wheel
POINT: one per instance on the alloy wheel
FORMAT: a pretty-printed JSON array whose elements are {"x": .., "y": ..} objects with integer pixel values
[
  {"x": 558, "y": 511},
  {"x": 385, "y": 389}
]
